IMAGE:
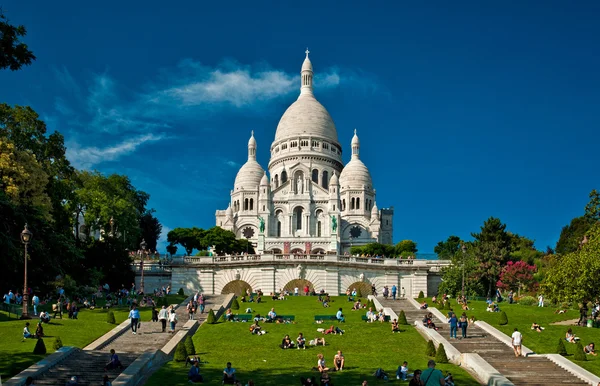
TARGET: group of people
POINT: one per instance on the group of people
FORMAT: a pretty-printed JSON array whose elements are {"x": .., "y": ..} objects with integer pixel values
[{"x": 373, "y": 316}]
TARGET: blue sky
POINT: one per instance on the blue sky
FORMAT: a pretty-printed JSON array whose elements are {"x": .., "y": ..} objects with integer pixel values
[{"x": 465, "y": 110}]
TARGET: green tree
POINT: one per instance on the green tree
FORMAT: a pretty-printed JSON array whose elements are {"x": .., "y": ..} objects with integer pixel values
[
  {"x": 430, "y": 349},
  {"x": 150, "y": 229},
  {"x": 572, "y": 235},
  {"x": 189, "y": 346},
  {"x": 440, "y": 354},
  {"x": 402, "y": 318},
  {"x": 235, "y": 305},
  {"x": 110, "y": 317},
  {"x": 171, "y": 249},
  {"x": 452, "y": 275},
  {"x": 181, "y": 353},
  {"x": 592, "y": 209},
  {"x": 503, "y": 319},
  {"x": 188, "y": 238},
  {"x": 560, "y": 349},
  {"x": 406, "y": 247},
  {"x": 446, "y": 250},
  {"x": 13, "y": 53},
  {"x": 211, "y": 318},
  {"x": 491, "y": 247},
  {"x": 579, "y": 353},
  {"x": 40, "y": 347}
]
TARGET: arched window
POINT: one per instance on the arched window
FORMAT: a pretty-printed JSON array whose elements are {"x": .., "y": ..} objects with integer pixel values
[
  {"x": 283, "y": 177},
  {"x": 251, "y": 204},
  {"x": 343, "y": 204},
  {"x": 366, "y": 204},
  {"x": 246, "y": 204},
  {"x": 315, "y": 176},
  {"x": 298, "y": 212},
  {"x": 325, "y": 182},
  {"x": 357, "y": 203},
  {"x": 318, "y": 228},
  {"x": 352, "y": 203},
  {"x": 276, "y": 181},
  {"x": 278, "y": 228}
]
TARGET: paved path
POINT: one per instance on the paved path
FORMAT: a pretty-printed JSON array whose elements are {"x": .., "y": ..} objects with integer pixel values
[
  {"x": 530, "y": 371},
  {"x": 88, "y": 365}
]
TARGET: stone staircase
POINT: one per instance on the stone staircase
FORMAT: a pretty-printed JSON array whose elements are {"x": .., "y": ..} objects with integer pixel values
[
  {"x": 88, "y": 365},
  {"x": 530, "y": 371}
]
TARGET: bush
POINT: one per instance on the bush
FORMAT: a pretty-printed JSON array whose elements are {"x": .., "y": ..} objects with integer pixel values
[
  {"x": 211, "y": 318},
  {"x": 560, "y": 349},
  {"x": 402, "y": 318},
  {"x": 579, "y": 354},
  {"x": 40, "y": 347},
  {"x": 528, "y": 301},
  {"x": 503, "y": 319},
  {"x": 190, "y": 349},
  {"x": 57, "y": 343},
  {"x": 180, "y": 292},
  {"x": 235, "y": 305},
  {"x": 430, "y": 349},
  {"x": 180, "y": 353},
  {"x": 421, "y": 295},
  {"x": 440, "y": 355},
  {"x": 110, "y": 318}
]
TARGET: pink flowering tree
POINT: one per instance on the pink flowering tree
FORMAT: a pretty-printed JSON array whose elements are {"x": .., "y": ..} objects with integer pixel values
[{"x": 516, "y": 276}]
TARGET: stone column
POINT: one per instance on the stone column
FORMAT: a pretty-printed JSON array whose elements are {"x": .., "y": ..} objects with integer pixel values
[{"x": 419, "y": 284}]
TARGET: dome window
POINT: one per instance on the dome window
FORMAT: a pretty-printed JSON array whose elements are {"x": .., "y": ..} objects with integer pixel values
[
  {"x": 304, "y": 143},
  {"x": 325, "y": 179},
  {"x": 315, "y": 176}
]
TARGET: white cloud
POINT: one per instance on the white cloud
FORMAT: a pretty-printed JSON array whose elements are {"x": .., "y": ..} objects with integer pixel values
[
  {"x": 85, "y": 157},
  {"x": 232, "y": 164}
]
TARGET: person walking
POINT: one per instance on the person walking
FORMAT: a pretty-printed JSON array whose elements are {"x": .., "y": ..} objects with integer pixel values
[
  {"x": 36, "y": 302},
  {"x": 453, "y": 325},
  {"x": 541, "y": 300},
  {"x": 163, "y": 315},
  {"x": 464, "y": 323},
  {"x": 172, "y": 320},
  {"x": 134, "y": 315},
  {"x": 202, "y": 301},
  {"x": 517, "y": 341},
  {"x": 394, "y": 290}
]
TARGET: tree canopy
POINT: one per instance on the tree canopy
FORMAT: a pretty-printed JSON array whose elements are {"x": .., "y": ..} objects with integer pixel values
[
  {"x": 13, "y": 53},
  {"x": 223, "y": 241}
]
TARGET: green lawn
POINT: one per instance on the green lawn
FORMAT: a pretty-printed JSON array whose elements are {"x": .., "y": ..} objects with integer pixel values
[
  {"x": 365, "y": 346},
  {"x": 545, "y": 342},
  {"x": 16, "y": 354}
]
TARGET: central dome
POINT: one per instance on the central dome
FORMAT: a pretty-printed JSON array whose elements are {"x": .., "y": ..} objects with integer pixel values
[{"x": 306, "y": 117}]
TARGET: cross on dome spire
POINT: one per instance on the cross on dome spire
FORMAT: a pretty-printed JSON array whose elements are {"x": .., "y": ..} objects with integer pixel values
[
  {"x": 306, "y": 76},
  {"x": 307, "y": 52},
  {"x": 355, "y": 145},
  {"x": 252, "y": 146}
]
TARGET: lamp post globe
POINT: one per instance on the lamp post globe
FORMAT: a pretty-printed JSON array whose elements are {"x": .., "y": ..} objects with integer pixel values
[{"x": 26, "y": 236}]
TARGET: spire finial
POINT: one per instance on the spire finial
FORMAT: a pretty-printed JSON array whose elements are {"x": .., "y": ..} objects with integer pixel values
[
  {"x": 252, "y": 132},
  {"x": 354, "y": 131},
  {"x": 307, "y": 52}
]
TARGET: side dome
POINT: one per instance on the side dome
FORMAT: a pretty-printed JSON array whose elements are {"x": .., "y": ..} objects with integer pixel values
[
  {"x": 355, "y": 174},
  {"x": 249, "y": 175},
  {"x": 307, "y": 117}
]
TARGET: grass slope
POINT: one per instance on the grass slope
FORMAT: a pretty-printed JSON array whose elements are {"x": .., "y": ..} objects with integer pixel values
[
  {"x": 544, "y": 342},
  {"x": 365, "y": 346},
  {"x": 16, "y": 354}
]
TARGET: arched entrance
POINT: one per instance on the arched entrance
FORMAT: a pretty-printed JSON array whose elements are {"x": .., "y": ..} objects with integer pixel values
[
  {"x": 300, "y": 283},
  {"x": 237, "y": 287},
  {"x": 276, "y": 251},
  {"x": 363, "y": 287}
]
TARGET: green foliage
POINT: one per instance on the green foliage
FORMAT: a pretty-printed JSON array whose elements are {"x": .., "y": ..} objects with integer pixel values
[
  {"x": 57, "y": 343},
  {"x": 110, "y": 317},
  {"x": 358, "y": 293},
  {"x": 150, "y": 229},
  {"x": 181, "y": 353},
  {"x": 430, "y": 349},
  {"x": 572, "y": 235},
  {"x": 491, "y": 248},
  {"x": 560, "y": 349},
  {"x": 190, "y": 349},
  {"x": 572, "y": 277},
  {"x": 447, "y": 249},
  {"x": 447, "y": 306},
  {"x": 408, "y": 246},
  {"x": 211, "y": 318},
  {"x": 235, "y": 305},
  {"x": 40, "y": 347},
  {"x": 180, "y": 292},
  {"x": 402, "y": 318},
  {"x": 453, "y": 275},
  {"x": 13, "y": 53},
  {"x": 203, "y": 253},
  {"x": 579, "y": 353},
  {"x": 503, "y": 319},
  {"x": 222, "y": 240},
  {"x": 592, "y": 209},
  {"x": 421, "y": 295},
  {"x": 528, "y": 301},
  {"x": 440, "y": 354}
]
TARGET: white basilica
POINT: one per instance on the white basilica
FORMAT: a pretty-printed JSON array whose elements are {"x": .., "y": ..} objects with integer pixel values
[{"x": 311, "y": 203}]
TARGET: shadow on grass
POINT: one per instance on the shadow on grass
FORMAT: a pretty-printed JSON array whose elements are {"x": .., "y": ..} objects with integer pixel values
[{"x": 13, "y": 363}]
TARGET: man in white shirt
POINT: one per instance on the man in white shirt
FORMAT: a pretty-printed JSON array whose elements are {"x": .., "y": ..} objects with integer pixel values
[
  {"x": 296, "y": 291},
  {"x": 36, "y": 301},
  {"x": 517, "y": 340}
]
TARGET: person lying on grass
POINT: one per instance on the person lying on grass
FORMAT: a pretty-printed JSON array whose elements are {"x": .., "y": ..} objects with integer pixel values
[
  {"x": 333, "y": 330},
  {"x": 317, "y": 341},
  {"x": 536, "y": 327}
]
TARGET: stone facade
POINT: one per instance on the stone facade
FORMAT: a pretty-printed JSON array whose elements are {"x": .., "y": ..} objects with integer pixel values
[{"x": 311, "y": 203}]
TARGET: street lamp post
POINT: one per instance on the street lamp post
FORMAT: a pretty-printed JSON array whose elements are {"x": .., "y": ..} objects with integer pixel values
[
  {"x": 25, "y": 239},
  {"x": 143, "y": 248},
  {"x": 464, "y": 252}
]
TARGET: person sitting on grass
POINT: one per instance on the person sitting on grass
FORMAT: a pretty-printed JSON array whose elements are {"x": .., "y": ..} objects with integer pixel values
[
  {"x": 229, "y": 375},
  {"x": 194, "y": 374},
  {"x": 286, "y": 343},
  {"x": 301, "y": 342},
  {"x": 325, "y": 380},
  {"x": 370, "y": 316},
  {"x": 340, "y": 316},
  {"x": 428, "y": 321},
  {"x": 39, "y": 331},
  {"x": 590, "y": 349},
  {"x": 338, "y": 361},
  {"x": 317, "y": 341},
  {"x": 321, "y": 366},
  {"x": 402, "y": 372},
  {"x": 536, "y": 327},
  {"x": 449, "y": 380},
  {"x": 416, "y": 381},
  {"x": 357, "y": 305},
  {"x": 381, "y": 316},
  {"x": 256, "y": 329},
  {"x": 272, "y": 315},
  {"x": 229, "y": 315},
  {"x": 308, "y": 381},
  {"x": 570, "y": 337},
  {"x": 26, "y": 333},
  {"x": 424, "y": 305},
  {"x": 395, "y": 327},
  {"x": 114, "y": 362},
  {"x": 44, "y": 317}
]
